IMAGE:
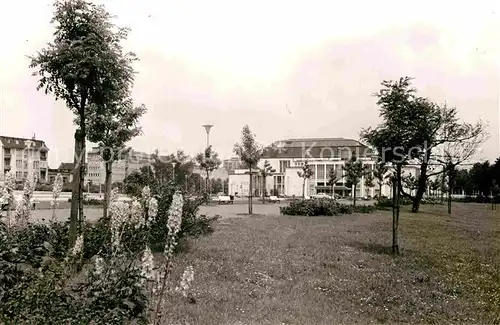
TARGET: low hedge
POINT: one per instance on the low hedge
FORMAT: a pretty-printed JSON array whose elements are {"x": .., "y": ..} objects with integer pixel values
[
  {"x": 322, "y": 207},
  {"x": 387, "y": 203},
  {"x": 476, "y": 199}
]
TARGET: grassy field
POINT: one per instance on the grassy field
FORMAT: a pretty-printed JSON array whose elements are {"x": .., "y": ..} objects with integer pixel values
[{"x": 337, "y": 270}]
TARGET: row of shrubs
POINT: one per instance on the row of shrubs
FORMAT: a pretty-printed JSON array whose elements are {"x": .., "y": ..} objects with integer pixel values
[
  {"x": 477, "y": 199},
  {"x": 322, "y": 207}
]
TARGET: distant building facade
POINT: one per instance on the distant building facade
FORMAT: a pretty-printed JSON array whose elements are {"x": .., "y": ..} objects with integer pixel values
[
  {"x": 130, "y": 162},
  {"x": 287, "y": 157},
  {"x": 24, "y": 157},
  {"x": 66, "y": 171},
  {"x": 231, "y": 164}
]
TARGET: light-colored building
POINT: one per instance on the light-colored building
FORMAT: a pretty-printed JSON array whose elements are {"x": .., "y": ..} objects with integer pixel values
[
  {"x": 231, "y": 164},
  {"x": 129, "y": 163},
  {"x": 24, "y": 157},
  {"x": 287, "y": 157},
  {"x": 219, "y": 173}
]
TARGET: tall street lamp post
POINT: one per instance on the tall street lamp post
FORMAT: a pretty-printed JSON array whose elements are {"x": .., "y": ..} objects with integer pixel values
[{"x": 207, "y": 127}]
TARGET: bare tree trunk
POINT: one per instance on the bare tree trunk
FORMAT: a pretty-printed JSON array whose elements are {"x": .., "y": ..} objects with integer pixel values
[
  {"x": 81, "y": 217},
  {"x": 207, "y": 190},
  {"x": 449, "y": 201},
  {"x": 354, "y": 196},
  {"x": 442, "y": 188},
  {"x": 394, "y": 224},
  {"x": 250, "y": 193},
  {"x": 207, "y": 185},
  {"x": 107, "y": 187},
  {"x": 395, "y": 212},
  {"x": 264, "y": 190},
  {"x": 450, "y": 189},
  {"x": 76, "y": 188},
  {"x": 379, "y": 192},
  {"x": 304, "y": 189}
]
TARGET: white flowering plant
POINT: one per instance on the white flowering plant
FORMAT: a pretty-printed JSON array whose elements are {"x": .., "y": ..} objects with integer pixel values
[{"x": 109, "y": 276}]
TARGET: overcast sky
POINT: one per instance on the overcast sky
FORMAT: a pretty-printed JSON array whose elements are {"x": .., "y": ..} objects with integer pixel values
[{"x": 231, "y": 63}]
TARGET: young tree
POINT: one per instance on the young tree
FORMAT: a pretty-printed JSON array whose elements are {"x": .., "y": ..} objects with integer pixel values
[
  {"x": 354, "y": 171},
  {"x": 250, "y": 153},
  {"x": 111, "y": 132},
  {"x": 393, "y": 139},
  {"x": 305, "y": 173},
  {"x": 83, "y": 64},
  {"x": 380, "y": 175},
  {"x": 266, "y": 171},
  {"x": 424, "y": 127},
  {"x": 208, "y": 161},
  {"x": 333, "y": 177},
  {"x": 369, "y": 179}
]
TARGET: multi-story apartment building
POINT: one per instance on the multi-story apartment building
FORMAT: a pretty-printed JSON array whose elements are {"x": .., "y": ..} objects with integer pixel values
[
  {"x": 288, "y": 157},
  {"x": 24, "y": 157},
  {"x": 129, "y": 163}
]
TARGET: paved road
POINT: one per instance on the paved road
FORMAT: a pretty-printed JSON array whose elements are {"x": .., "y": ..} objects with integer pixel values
[{"x": 225, "y": 211}]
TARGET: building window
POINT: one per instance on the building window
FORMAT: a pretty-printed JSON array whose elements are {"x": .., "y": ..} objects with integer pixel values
[
  {"x": 36, "y": 164},
  {"x": 25, "y": 174},
  {"x": 284, "y": 164},
  {"x": 321, "y": 172},
  {"x": 26, "y": 164},
  {"x": 19, "y": 163},
  {"x": 19, "y": 175}
]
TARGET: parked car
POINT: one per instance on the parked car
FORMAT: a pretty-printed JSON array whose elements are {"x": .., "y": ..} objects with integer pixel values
[
  {"x": 226, "y": 199},
  {"x": 274, "y": 199},
  {"x": 322, "y": 196}
]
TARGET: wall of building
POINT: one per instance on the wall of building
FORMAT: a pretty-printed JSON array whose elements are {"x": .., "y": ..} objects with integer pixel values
[
  {"x": 293, "y": 183},
  {"x": 24, "y": 162}
]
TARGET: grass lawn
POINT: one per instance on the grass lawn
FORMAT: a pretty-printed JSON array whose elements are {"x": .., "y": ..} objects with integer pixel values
[{"x": 337, "y": 270}]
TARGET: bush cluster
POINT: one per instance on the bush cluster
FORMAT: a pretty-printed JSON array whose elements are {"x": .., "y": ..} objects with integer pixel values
[
  {"x": 42, "y": 283},
  {"x": 430, "y": 200},
  {"x": 385, "y": 202},
  {"x": 322, "y": 207}
]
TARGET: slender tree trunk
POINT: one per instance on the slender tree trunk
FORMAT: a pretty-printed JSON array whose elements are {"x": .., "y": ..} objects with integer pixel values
[
  {"x": 354, "y": 196},
  {"x": 264, "y": 191},
  {"x": 394, "y": 224},
  {"x": 250, "y": 193},
  {"x": 207, "y": 190},
  {"x": 76, "y": 188},
  {"x": 379, "y": 192},
  {"x": 304, "y": 188},
  {"x": 442, "y": 188},
  {"x": 108, "y": 166},
  {"x": 449, "y": 200}
]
